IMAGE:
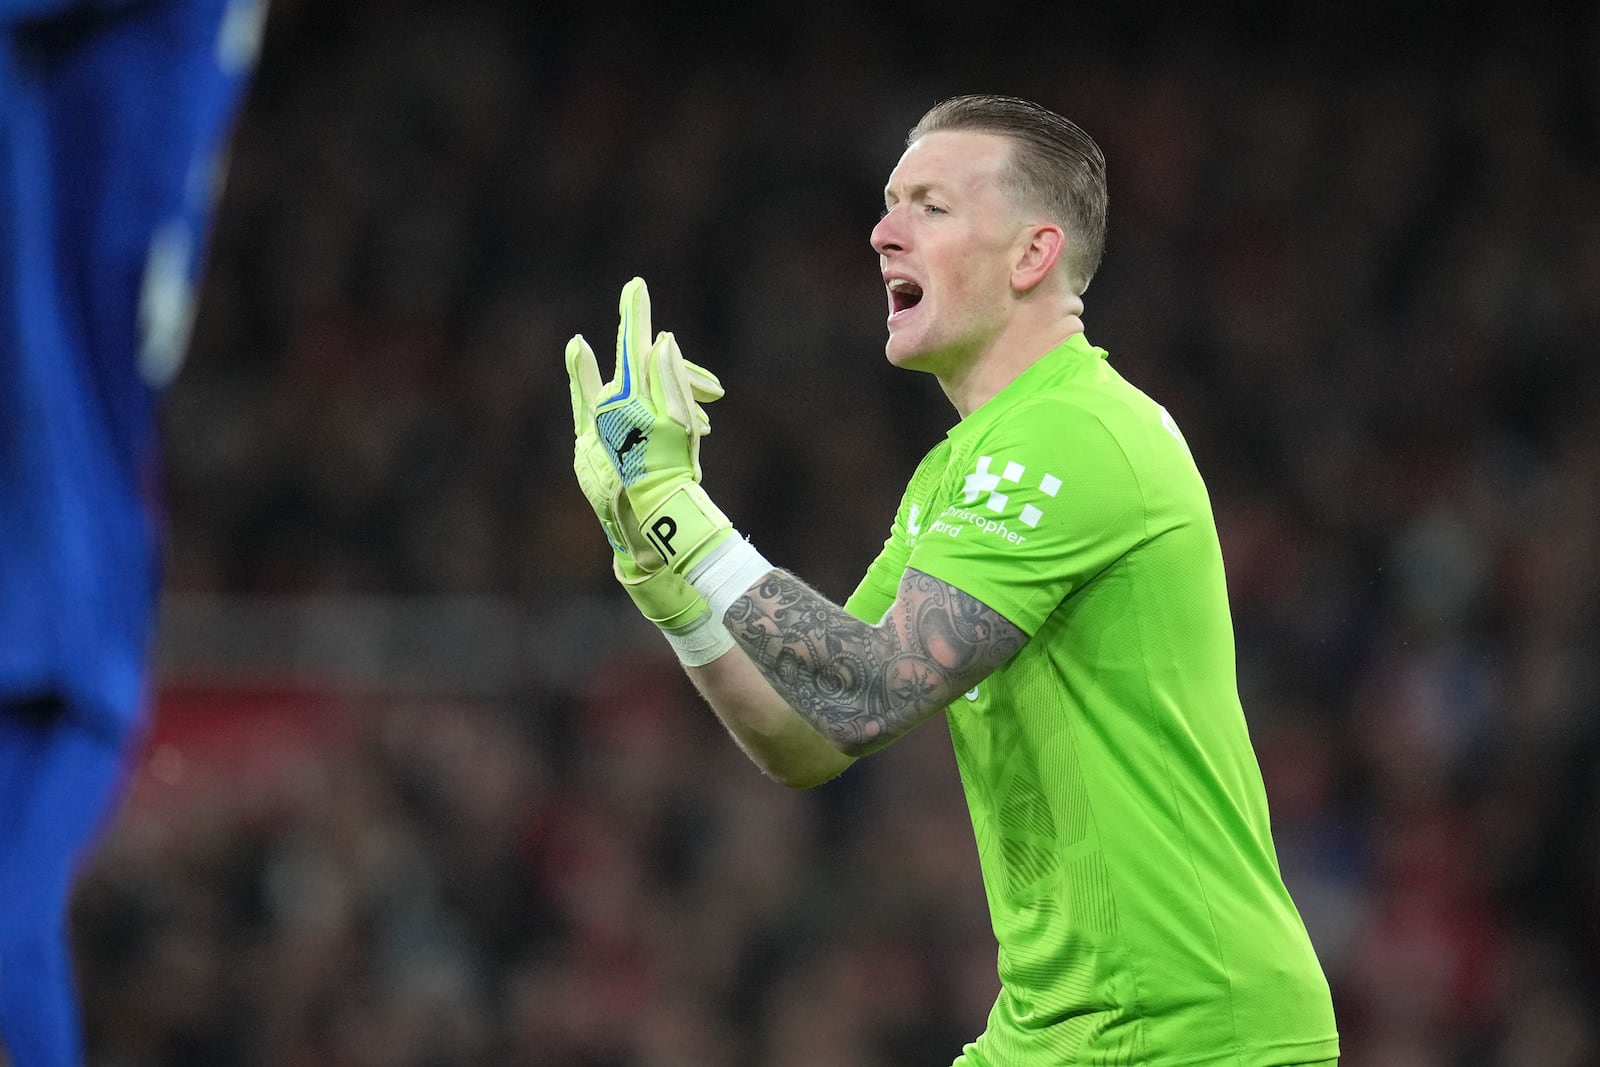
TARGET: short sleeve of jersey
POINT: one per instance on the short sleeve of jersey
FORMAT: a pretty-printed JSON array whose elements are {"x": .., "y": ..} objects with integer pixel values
[
  {"x": 1034, "y": 505},
  {"x": 881, "y": 584}
]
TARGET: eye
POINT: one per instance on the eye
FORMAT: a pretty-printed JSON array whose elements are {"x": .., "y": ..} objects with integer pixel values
[{"x": 932, "y": 209}]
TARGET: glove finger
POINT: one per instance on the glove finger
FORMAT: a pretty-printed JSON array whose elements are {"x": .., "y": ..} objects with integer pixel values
[
  {"x": 702, "y": 421},
  {"x": 703, "y": 388},
  {"x": 583, "y": 379},
  {"x": 633, "y": 341},
  {"x": 669, "y": 381},
  {"x": 702, "y": 383}
]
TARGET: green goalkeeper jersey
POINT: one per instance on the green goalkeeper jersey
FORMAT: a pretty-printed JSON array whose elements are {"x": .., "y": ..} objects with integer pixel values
[{"x": 1119, "y": 812}]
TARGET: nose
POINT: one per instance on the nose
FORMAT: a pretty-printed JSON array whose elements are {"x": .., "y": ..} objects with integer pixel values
[{"x": 886, "y": 235}]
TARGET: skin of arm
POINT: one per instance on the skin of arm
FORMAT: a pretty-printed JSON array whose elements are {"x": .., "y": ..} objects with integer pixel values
[
  {"x": 769, "y": 731},
  {"x": 829, "y": 678}
]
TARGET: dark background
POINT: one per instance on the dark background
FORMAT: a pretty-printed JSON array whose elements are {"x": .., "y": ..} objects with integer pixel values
[{"x": 421, "y": 790}]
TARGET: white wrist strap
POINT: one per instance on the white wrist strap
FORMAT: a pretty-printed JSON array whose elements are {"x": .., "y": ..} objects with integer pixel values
[
  {"x": 727, "y": 573},
  {"x": 700, "y": 642}
]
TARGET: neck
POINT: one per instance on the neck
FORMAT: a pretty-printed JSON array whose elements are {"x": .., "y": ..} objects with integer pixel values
[{"x": 975, "y": 383}]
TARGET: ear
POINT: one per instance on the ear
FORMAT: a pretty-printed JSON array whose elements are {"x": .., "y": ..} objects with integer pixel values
[{"x": 1040, "y": 249}]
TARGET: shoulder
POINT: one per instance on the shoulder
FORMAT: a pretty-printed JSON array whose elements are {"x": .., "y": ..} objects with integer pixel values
[
  {"x": 1103, "y": 441},
  {"x": 1063, "y": 428}
]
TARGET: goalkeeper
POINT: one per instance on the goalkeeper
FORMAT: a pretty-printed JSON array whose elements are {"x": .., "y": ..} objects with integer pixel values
[{"x": 1052, "y": 583}]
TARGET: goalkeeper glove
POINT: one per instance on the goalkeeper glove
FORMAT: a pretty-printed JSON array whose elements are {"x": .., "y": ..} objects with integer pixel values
[
  {"x": 661, "y": 595},
  {"x": 648, "y": 417}
]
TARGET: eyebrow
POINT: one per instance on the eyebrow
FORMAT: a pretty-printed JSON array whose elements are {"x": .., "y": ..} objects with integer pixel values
[{"x": 920, "y": 189}]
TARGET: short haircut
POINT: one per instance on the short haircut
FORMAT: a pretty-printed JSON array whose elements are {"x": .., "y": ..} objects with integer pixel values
[{"x": 1054, "y": 165}]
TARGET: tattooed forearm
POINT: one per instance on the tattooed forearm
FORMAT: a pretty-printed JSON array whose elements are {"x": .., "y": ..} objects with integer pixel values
[{"x": 859, "y": 685}]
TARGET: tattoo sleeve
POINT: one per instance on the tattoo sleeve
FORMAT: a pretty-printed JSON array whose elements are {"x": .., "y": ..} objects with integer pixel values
[{"x": 861, "y": 686}]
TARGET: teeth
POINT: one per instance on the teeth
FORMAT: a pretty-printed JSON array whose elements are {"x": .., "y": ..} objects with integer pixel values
[{"x": 903, "y": 285}]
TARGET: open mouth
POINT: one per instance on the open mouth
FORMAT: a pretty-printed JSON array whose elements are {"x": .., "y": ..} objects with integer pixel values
[{"x": 904, "y": 295}]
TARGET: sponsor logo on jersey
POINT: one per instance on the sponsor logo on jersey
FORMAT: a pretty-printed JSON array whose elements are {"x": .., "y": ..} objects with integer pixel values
[{"x": 988, "y": 495}]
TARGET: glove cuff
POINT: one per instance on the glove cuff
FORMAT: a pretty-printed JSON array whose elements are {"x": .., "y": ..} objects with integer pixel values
[
  {"x": 660, "y": 595},
  {"x": 697, "y": 637},
  {"x": 684, "y": 526}
]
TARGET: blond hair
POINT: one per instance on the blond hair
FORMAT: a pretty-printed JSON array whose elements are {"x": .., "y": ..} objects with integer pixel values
[{"x": 1054, "y": 166}]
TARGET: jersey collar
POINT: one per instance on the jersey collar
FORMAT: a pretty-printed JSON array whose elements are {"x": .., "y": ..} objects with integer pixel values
[{"x": 1075, "y": 350}]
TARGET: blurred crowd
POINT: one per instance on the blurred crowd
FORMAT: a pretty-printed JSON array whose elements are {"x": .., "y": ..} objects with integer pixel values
[{"x": 1358, "y": 260}]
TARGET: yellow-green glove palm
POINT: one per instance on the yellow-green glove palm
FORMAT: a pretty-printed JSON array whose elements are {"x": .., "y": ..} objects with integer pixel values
[
  {"x": 661, "y": 595},
  {"x": 649, "y": 418}
]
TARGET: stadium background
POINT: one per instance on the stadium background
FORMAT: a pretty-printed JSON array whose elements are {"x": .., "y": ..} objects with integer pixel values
[{"x": 421, "y": 791}]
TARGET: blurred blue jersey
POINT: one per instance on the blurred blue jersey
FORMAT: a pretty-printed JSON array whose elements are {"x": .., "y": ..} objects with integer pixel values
[{"x": 113, "y": 118}]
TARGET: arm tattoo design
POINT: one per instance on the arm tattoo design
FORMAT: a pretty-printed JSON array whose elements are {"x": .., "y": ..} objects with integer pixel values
[{"x": 862, "y": 686}]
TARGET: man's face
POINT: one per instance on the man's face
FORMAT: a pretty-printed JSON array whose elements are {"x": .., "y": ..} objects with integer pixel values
[{"x": 946, "y": 246}]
